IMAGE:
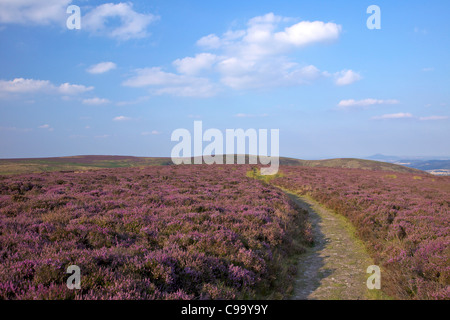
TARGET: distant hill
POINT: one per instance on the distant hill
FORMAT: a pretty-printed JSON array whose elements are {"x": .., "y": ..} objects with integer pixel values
[
  {"x": 350, "y": 163},
  {"x": 82, "y": 163},
  {"x": 428, "y": 164},
  {"x": 76, "y": 163}
]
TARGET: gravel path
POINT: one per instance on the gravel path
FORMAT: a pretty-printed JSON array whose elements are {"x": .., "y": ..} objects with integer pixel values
[{"x": 335, "y": 267}]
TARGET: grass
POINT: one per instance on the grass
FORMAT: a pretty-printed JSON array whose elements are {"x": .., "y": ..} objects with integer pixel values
[
  {"x": 336, "y": 292},
  {"x": 78, "y": 163},
  {"x": 352, "y": 232},
  {"x": 255, "y": 173},
  {"x": 83, "y": 163}
]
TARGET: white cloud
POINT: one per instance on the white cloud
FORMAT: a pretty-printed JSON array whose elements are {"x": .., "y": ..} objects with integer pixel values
[
  {"x": 433, "y": 118},
  {"x": 351, "y": 103},
  {"x": 347, "y": 77},
  {"x": 260, "y": 37},
  {"x": 250, "y": 58},
  {"x": 393, "y": 116},
  {"x": 35, "y": 12},
  {"x": 95, "y": 101},
  {"x": 101, "y": 67},
  {"x": 132, "y": 24},
  {"x": 171, "y": 83},
  {"x": 46, "y": 126},
  {"x": 257, "y": 56},
  {"x": 154, "y": 133},
  {"x": 307, "y": 32},
  {"x": 119, "y": 21},
  {"x": 73, "y": 89},
  {"x": 428, "y": 69},
  {"x": 121, "y": 118},
  {"x": 210, "y": 42},
  {"x": 192, "y": 66},
  {"x": 241, "y": 74},
  {"x": 21, "y": 86}
]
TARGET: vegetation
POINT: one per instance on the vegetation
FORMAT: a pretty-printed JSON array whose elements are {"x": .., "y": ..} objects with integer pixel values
[
  {"x": 158, "y": 231},
  {"x": 172, "y": 232},
  {"x": 76, "y": 163},
  {"x": 83, "y": 163},
  {"x": 402, "y": 219}
]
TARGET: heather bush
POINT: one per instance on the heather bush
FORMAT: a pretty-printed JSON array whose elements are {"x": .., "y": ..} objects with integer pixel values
[
  {"x": 186, "y": 232},
  {"x": 403, "y": 218}
]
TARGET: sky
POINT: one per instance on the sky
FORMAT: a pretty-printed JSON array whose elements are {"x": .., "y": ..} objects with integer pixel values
[{"x": 136, "y": 71}]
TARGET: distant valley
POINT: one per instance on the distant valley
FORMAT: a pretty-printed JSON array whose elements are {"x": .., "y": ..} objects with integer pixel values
[{"x": 436, "y": 165}]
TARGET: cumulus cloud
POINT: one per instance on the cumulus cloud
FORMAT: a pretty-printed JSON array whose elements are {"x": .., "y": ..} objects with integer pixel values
[
  {"x": 346, "y": 77},
  {"x": 22, "y": 86},
  {"x": 132, "y": 24},
  {"x": 256, "y": 56},
  {"x": 307, "y": 32},
  {"x": 393, "y": 116},
  {"x": 119, "y": 21},
  {"x": 261, "y": 38},
  {"x": 210, "y": 42},
  {"x": 95, "y": 101},
  {"x": 351, "y": 103},
  {"x": 194, "y": 65},
  {"x": 171, "y": 83},
  {"x": 73, "y": 89},
  {"x": 101, "y": 67},
  {"x": 34, "y": 12}
]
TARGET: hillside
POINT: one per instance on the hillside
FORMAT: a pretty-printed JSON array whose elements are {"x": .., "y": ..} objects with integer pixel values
[
  {"x": 83, "y": 163},
  {"x": 350, "y": 163},
  {"x": 76, "y": 163}
]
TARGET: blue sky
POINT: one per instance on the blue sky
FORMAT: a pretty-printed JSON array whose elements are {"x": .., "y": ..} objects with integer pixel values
[{"x": 138, "y": 70}]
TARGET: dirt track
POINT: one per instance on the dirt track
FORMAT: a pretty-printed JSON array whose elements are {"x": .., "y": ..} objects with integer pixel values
[{"x": 335, "y": 267}]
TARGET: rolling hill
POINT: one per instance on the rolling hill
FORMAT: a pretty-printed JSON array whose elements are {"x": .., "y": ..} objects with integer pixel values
[{"x": 93, "y": 162}]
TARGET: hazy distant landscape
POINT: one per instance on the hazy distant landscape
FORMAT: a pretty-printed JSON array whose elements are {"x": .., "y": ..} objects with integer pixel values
[
  {"x": 81, "y": 163},
  {"x": 431, "y": 165}
]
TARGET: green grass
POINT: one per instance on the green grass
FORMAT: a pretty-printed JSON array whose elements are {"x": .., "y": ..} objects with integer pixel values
[{"x": 255, "y": 173}]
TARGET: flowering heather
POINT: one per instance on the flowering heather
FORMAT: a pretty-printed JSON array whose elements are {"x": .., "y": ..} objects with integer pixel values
[
  {"x": 403, "y": 218},
  {"x": 186, "y": 232}
]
